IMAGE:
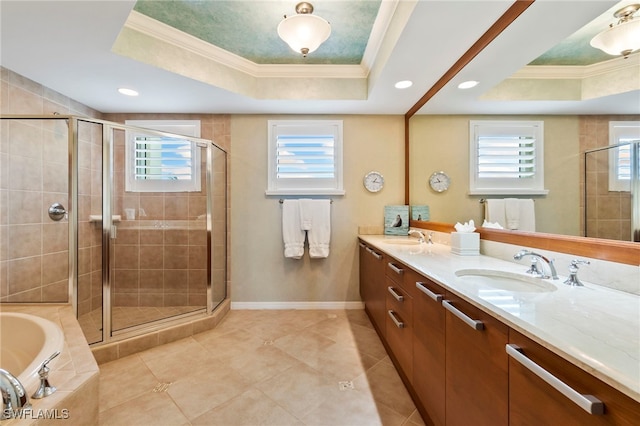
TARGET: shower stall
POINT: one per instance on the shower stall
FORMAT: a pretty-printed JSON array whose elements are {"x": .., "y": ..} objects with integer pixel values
[
  {"x": 126, "y": 223},
  {"x": 612, "y": 191}
]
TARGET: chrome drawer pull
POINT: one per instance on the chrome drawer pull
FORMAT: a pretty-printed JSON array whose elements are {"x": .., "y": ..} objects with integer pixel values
[
  {"x": 437, "y": 297},
  {"x": 475, "y": 324},
  {"x": 376, "y": 255},
  {"x": 395, "y": 269},
  {"x": 395, "y": 295},
  {"x": 398, "y": 324},
  {"x": 362, "y": 245},
  {"x": 588, "y": 403}
]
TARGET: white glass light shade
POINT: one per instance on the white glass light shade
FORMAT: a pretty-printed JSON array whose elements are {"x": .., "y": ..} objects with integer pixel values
[
  {"x": 304, "y": 33},
  {"x": 621, "y": 39}
]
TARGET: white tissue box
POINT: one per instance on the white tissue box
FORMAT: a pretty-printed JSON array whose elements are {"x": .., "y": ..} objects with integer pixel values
[{"x": 465, "y": 243}]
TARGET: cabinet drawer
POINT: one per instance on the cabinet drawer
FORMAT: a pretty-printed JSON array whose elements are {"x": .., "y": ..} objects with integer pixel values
[
  {"x": 533, "y": 400},
  {"x": 395, "y": 271},
  {"x": 399, "y": 328}
]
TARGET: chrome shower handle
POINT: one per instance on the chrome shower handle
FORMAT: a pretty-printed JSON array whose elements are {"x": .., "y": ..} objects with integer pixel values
[{"x": 57, "y": 211}]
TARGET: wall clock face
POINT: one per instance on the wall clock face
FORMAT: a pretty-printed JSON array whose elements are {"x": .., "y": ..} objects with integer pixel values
[
  {"x": 439, "y": 181},
  {"x": 373, "y": 181}
]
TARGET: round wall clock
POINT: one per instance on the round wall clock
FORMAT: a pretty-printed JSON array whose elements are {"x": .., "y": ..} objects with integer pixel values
[
  {"x": 373, "y": 181},
  {"x": 439, "y": 181}
]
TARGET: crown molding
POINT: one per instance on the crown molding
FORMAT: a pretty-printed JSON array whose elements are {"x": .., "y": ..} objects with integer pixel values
[
  {"x": 577, "y": 71},
  {"x": 163, "y": 32}
]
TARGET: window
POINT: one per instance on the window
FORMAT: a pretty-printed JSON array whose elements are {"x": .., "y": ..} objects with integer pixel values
[
  {"x": 305, "y": 157},
  {"x": 506, "y": 157},
  {"x": 160, "y": 163},
  {"x": 622, "y": 134}
]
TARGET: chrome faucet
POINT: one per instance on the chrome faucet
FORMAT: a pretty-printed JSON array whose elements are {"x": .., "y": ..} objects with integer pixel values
[
  {"x": 533, "y": 269},
  {"x": 14, "y": 397},
  {"x": 420, "y": 235}
]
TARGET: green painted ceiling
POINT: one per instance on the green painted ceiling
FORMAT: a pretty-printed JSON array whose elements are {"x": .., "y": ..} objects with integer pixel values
[{"x": 248, "y": 28}]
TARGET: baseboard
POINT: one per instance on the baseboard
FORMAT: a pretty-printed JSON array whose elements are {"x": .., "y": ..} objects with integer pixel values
[{"x": 296, "y": 305}]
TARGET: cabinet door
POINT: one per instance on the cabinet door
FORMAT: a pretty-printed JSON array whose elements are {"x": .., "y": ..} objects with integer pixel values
[
  {"x": 365, "y": 265},
  {"x": 429, "y": 347},
  {"x": 476, "y": 366},
  {"x": 399, "y": 328},
  {"x": 534, "y": 401},
  {"x": 375, "y": 291}
]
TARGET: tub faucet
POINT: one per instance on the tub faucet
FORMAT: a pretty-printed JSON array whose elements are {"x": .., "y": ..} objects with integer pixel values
[
  {"x": 14, "y": 397},
  {"x": 420, "y": 235},
  {"x": 533, "y": 269}
]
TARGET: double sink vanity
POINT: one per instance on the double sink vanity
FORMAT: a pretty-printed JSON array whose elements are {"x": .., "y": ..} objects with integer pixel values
[{"x": 478, "y": 341}]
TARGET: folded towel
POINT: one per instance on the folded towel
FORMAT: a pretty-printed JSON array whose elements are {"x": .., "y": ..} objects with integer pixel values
[
  {"x": 292, "y": 235},
  {"x": 527, "y": 221},
  {"x": 512, "y": 213},
  {"x": 316, "y": 216},
  {"x": 494, "y": 211}
]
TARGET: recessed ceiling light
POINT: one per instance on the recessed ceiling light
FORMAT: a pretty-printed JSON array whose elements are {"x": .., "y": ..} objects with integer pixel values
[
  {"x": 403, "y": 84},
  {"x": 467, "y": 84},
  {"x": 127, "y": 92}
]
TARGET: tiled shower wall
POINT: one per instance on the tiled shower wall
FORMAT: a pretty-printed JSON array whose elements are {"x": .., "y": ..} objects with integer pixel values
[
  {"x": 33, "y": 161},
  {"x": 609, "y": 213}
]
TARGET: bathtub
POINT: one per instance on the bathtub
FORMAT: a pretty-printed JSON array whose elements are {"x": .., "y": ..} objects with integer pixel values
[{"x": 25, "y": 342}]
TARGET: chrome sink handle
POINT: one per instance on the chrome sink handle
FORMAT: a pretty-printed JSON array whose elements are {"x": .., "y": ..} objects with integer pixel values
[{"x": 573, "y": 279}]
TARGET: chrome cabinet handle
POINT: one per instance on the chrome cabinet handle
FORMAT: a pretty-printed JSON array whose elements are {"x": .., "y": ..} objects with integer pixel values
[
  {"x": 475, "y": 324},
  {"x": 395, "y": 269},
  {"x": 395, "y": 295},
  {"x": 588, "y": 403},
  {"x": 395, "y": 320},
  {"x": 376, "y": 255},
  {"x": 362, "y": 245},
  {"x": 436, "y": 297}
]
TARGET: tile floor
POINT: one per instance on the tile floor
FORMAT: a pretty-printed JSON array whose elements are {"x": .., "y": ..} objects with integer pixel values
[{"x": 262, "y": 368}]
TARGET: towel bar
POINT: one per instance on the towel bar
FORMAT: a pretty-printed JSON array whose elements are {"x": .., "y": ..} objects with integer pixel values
[{"x": 282, "y": 201}]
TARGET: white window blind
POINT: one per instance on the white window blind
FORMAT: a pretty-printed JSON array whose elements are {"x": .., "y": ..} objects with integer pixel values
[
  {"x": 163, "y": 163},
  {"x": 506, "y": 157},
  {"x": 305, "y": 157},
  {"x": 622, "y": 134}
]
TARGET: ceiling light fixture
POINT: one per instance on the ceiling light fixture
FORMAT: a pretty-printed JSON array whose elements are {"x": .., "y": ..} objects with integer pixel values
[
  {"x": 127, "y": 92},
  {"x": 304, "y": 32},
  {"x": 622, "y": 38},
  {"x": 404, "y": 84},
  {"x": 468, "y": 84}
]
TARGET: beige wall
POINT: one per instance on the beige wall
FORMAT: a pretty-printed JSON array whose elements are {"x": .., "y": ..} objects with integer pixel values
[
  {"x": 259, "y": 270},
  {"x": 442, "y": 143}
]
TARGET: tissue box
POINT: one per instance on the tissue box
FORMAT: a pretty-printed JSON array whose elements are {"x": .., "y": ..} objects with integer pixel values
[{"x": 465, "y": 243}]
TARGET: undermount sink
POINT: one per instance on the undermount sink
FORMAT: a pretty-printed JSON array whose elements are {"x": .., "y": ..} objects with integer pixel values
[
  {"x": 402, "y": 241},
  {"x": 505, "y": 280}
]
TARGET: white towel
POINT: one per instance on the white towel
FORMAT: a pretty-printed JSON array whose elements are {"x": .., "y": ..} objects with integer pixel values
[
  {"x": 292, "y": 234},
  {"x": 527, "y": 210},
  {"x": 494, "y": 211},
  {"x": 316, "y": 219},
  {"x": 512, "y": 213}
]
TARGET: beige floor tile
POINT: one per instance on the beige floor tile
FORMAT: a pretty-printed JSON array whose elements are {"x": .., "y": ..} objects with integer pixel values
[
  {"x": 304, "y": 345},
  {"x": 250, "y": 408},
  {"x": 261, "y": 363},
  {"x": 177, "y": 364},
  {"x": 386, "y": 387},
  {"x": 123, "y": 380},
  {"x": 205, "y": 389},
  {"x": 148, "y": 409},
  {"x": 299, "y": 390}
]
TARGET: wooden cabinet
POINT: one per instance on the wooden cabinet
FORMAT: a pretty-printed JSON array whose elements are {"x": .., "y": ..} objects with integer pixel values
[
  {"x": 534, "y": 401},
  {"x": 454, "y": 360},
  {"x": 429, "y": 347},
  {"x": 476, "y": 366},
  {"x": 372, "y": 289},
  {"x": 399, "y": 326}
]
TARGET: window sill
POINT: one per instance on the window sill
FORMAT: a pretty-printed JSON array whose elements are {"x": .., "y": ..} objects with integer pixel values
[
  {"x": 305, "y": 192},
  {"x": 508, "y": 192}
]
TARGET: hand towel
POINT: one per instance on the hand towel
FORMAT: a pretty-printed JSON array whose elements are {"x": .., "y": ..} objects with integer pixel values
[
  {"x": 319, "y": 231},
  {"x": 292, "y": 234},
  {"x": 512, "y": 213},
  {"x": 527, "y": 215},
  {"x": 494, "y": 211},
  {"x": 306, "y": 213}
]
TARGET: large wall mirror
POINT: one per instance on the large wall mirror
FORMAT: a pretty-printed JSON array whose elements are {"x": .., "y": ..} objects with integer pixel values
[{"x": 557, "y": 78}]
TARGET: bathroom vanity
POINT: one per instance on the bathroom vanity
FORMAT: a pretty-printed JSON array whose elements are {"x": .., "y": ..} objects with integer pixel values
[{"x": 476, "y": 341}]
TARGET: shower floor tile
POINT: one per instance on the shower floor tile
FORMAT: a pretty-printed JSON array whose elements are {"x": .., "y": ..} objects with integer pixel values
[{"x": 263, "y": 367}]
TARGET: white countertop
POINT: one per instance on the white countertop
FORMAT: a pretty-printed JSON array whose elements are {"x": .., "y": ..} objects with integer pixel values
[{"x": 594, "y": 327}]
